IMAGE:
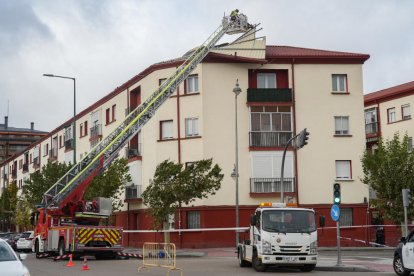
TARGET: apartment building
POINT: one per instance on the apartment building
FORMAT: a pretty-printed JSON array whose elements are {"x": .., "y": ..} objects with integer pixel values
[
  {"x": 389, "y": 111},
  {"x": 14, "y": 140},
  {"x": 284, "y": 90}
]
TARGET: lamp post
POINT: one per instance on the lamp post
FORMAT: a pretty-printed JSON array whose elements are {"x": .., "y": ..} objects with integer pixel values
[
  {"x": 236, "y": 90},
  {"x": 74, "y": 110}
]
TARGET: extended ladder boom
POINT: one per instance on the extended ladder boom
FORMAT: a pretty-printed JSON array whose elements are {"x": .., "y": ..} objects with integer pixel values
[{"x": 72, "y": 185}]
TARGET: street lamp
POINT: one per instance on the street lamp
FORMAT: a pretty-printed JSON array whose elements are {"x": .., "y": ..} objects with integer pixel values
[
  {"x": 236, "y": 90},
  {"x": 74, "y": 110}
]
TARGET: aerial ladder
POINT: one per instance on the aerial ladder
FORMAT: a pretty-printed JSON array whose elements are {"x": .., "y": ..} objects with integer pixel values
[{"x": 62, "y": 198}]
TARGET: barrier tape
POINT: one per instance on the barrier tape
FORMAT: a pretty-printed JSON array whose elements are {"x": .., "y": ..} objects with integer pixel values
[
  {"x": 42, "y": 255},
  {"x": 130, "y": 255},
  {"x": 365, "y": 242},
  {"x": 243, "y": 229},
  {"x": 63, "y": 257}
]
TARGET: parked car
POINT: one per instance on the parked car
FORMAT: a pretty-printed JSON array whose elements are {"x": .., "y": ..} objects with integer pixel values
[
  {"x": 9, "y": 237},
  {"x": 12, "y": 240},
  {"x": 25, "y": 241},
  {"x": 10, "y": 262},
  {"x": 403, "y": 263}
]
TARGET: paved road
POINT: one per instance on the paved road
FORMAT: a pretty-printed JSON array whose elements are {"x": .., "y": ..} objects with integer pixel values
[{"x": 220, "y": 266}]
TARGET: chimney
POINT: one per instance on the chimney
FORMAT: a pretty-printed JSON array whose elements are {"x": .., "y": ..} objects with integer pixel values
[
  {"x": 6, "y": 121},
  {"x": 32, "y": 125}
]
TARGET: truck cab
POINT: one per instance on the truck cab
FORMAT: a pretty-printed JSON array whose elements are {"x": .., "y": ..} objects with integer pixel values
[{"x": 280, "y": 236}]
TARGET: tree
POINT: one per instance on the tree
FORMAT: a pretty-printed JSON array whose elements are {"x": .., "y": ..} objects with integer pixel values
[
  {"x": 173, "y": 186},
  {"x": 389, "y": 170},
  {"x": 8, "y": 201},
  {"x": 41, "y": 181},
  {"x": 110, "y": 183},
  {"x": 107, "y": 184}
]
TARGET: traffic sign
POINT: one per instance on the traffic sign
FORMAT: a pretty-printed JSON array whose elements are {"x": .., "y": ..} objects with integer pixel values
[{"x": 335, "y": 212}]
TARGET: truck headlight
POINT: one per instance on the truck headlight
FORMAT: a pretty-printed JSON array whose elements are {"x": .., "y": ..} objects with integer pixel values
[
  {"x": 267, "y": 247},
  {"x": 313, "y": 247}
]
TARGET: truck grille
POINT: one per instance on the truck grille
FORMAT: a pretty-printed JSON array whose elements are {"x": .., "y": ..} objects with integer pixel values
[{"x": 290, "y": 250}]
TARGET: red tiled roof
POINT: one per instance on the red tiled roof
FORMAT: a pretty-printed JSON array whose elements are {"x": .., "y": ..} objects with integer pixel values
[
  {"x": 390, "y": 93},
  {"x": 288, "y": 52}
]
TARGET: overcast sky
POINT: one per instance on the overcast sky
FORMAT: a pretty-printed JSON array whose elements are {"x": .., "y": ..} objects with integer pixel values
[{"x": 103, "y": 43}]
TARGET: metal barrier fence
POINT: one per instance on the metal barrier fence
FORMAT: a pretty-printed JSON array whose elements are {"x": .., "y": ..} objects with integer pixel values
[{"x": 159, "y": 255}]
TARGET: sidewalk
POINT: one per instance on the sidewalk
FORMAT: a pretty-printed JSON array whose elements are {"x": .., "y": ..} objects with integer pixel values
[{"x": 322, "y": 265}]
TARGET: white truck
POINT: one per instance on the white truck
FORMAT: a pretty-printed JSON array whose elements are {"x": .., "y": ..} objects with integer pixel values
[{"x": 280, "y": 236}]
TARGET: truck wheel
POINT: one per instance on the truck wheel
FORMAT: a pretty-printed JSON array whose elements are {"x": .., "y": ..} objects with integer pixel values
[
  {"x": 399, "y": 267},
  {"x": 257, "y": 263},
  {"x": 61, "y": 248},
  {"x": 242, "y": 262},
  {"x": 37, "y": 249},
  {"x": 307, "y": 268}
]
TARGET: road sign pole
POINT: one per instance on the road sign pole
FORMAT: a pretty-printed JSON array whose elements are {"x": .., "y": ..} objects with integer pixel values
[{"x": 338, "y": 243}]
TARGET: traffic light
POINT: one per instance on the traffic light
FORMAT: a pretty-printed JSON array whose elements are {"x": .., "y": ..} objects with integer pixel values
[
  {"x": 337, "y": 193},
  {"x": 303, "y": 138}
]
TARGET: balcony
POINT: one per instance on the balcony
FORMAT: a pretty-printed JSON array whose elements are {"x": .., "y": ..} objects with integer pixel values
[
  {"x": 371, "y": 128},
  {"x": 269, "y": 95},
  {"x": 53, "y": 154},
  {"x": 5, "y": 176},
  {"x": 269, "y": 139},
  {"x": 133, "y": 192},
  {"x": 14, "y": 173},
  {"x": 271, "y": 185},
  {"x": 69, "y": 144},
  {"x": 134, "y": 151},
  {"x": 25, "y": 167},
  {"x": 36, "y": 162},
  {"x": 96, "y": 132}
]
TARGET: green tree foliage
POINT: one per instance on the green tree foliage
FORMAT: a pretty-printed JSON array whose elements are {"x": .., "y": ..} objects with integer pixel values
[
  {"x": 23, "y": 210},
  {"x": 41, "y": 181},
  {"x": 108, "y": 184},
  {"x": 389, "y": 170},
  {"x": 111, "y": 183},
  {"x": 8, "y": 201},
  {"x": 172, "y": 186}
]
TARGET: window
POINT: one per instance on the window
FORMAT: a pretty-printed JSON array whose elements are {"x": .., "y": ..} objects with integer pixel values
[
  {"x": 166, "y": 130},
  {"x": 346, "y": 217},
  {"x": 113, "y": 112},
  {"x": 20, "y": 164},
  {"x": 339, "y": 83},
  {"x": 60, "y": 141},
  {"x": 341, "y": 125},
  {"x": 68, "y": 133},
  {"x": 86, "y": 128},
  {"x": 193, "y": 220},
  {"x": 343, "y": 169},
  {"x": 45, "y": 149},
  {"x": 192, "y": 84},
  {"x": 160, "y": 81},
  {"x": 266, "y": 80},
  {"x": 107, "y": 116},
  {"x": 371, "y": 120},
  {"x": 391, "y": 115},
  {"x": 406, "y": 113},
  {"x": 410, "y": 144},
  {"x": 191, "y": 127},
  {"x": 81, "y": 130}
]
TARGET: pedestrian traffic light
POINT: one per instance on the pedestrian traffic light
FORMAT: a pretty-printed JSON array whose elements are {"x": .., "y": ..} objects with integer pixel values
[
  {"x": 337, "y": 193},
  {"x": 303, "y": 138}
]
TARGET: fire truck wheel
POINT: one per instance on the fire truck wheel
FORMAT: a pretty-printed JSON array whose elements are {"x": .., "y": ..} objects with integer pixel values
[
  {"x": 37, "y": 249},
  {"x": 61, "y": 248},
  {"x": 257, "y": 263}
]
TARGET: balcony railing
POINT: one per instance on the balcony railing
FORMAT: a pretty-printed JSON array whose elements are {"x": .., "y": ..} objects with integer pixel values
[
  {"x": 25, "y": 167},
  {"x": 269, "y": 95},
  {"x": 134, "y": 191},
  {"x": 133, "y": 151},
  {"x": 69, "y": 144},
  {"x": 271, "y": 185},
  {"x": 371, "y": 128},
  {"x": 96, "y": 131},
  {"x": 36, "y": 162},
  {"x": 269, "y": 139},
  {"x": 53, "y": 154}
]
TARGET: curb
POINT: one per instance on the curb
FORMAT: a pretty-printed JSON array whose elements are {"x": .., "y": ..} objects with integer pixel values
[{"x": 344, "y": 268}]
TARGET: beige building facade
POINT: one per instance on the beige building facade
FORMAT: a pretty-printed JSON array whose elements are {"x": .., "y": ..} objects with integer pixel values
[{"x": 284, "y": 90}]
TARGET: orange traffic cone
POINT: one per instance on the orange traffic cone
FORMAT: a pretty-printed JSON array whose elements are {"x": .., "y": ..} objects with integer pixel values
[
  {"x": 85, "y": 263},
  {"x": 70, "y": 263}
]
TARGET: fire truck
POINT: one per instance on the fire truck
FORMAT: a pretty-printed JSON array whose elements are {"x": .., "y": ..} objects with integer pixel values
[
  {"x": 65, "y": 223},
  {"x": 281, "y": 236}
]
